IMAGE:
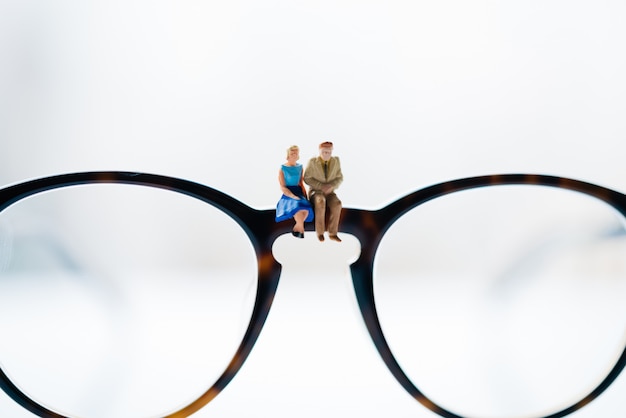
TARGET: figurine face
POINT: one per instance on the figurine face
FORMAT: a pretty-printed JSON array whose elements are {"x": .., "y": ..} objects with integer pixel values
[
  {"x": 294, "y": 155},
  {"x": 326, "y": 153}
]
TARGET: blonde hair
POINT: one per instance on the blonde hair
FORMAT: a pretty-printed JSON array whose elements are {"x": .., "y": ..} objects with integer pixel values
[{"x": 292, "y": 148}]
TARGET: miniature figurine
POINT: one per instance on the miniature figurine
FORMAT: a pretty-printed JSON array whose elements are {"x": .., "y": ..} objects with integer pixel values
[
  {"x": 293, "y": 203},
  {"x": 323, "y": 175}
]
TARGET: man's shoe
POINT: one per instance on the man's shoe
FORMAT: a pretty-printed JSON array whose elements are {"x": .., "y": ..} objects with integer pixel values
[
  {"x": 320, "y": 237},
  {"x": 334, "y": 238}
]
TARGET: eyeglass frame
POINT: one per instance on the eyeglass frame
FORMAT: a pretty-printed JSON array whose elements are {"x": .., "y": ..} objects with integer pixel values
[{"x": 368, "y": 226}]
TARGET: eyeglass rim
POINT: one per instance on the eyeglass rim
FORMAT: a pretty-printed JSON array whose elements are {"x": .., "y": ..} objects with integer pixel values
[
  {"x": 368, "y": 226},
  {"x": 362, "y": 269}
]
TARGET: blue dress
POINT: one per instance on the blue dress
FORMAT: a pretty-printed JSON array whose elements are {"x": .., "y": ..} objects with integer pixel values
[{"x": 286, "y": 206}]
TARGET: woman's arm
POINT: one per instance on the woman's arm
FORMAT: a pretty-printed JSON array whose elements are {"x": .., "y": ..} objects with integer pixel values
[
  {"x": 302, "y": 186},
  {"x": 283, "y": 187}
]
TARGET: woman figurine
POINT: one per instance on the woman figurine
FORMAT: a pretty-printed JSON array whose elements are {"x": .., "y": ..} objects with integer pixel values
[{"x": 293, "y": 203}]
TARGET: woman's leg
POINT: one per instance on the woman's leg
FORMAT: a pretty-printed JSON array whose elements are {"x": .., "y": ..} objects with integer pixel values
[{"x": 299, "y": 217}]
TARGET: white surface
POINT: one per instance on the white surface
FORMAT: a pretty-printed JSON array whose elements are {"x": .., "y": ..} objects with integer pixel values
[{"x": 411, "y": 92}]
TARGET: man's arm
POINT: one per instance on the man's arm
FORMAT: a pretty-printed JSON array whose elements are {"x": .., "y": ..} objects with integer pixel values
[
  {"x": 309, "y": 174},
  {"x": 335, "y": 182}
]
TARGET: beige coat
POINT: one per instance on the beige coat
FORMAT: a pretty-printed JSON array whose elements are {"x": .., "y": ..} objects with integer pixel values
[{"x": 314, "y": 174}]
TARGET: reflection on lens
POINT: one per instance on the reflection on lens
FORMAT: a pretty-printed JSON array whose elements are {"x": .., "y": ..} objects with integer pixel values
[
  {"x": 506, "y": 301},
  {"x": 121, "y": 301}
]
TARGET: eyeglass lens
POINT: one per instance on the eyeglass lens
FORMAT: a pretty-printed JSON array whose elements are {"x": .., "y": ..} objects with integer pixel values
[
  {"x": 504, "y": 301},
  {"x": 121, "y": 301}
]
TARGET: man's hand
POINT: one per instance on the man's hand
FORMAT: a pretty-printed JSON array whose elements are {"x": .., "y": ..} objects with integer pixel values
[{"x": 327, "y": 189}]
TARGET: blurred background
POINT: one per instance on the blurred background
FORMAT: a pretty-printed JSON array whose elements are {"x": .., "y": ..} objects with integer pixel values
[{"x": 411, "y": 93}]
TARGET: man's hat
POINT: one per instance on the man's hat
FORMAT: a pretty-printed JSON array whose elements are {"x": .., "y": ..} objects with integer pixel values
[{"x": 326, "y": 144}]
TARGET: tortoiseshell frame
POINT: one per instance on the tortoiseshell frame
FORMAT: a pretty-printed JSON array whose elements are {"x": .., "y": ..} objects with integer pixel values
[{"x": 368, "y": 226}]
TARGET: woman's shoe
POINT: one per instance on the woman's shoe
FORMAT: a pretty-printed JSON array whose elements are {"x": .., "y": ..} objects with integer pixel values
[{"x": 297, "y": 234}]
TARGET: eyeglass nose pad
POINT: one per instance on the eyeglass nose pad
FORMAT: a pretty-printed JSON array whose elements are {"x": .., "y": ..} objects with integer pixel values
[{"x": 312, "y": 254}]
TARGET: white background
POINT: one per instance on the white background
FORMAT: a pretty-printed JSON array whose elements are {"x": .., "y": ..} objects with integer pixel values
[{"x": 410, "y": 92}]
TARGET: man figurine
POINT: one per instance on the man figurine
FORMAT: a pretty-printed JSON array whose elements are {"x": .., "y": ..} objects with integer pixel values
[{"x": 323, "y": 175}]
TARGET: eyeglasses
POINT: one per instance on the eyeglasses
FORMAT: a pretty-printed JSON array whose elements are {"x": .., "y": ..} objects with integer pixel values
[{"x": 499, "y": 295}]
